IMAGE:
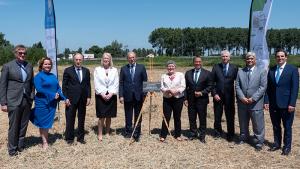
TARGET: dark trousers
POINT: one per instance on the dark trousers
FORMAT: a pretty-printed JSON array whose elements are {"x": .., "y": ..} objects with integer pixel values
[
  {"x": 70, "y": 120},
  {"x": 228, "y": 107},
  {"x": 172, "y": 105},
  {"x": 133, "y": 107},
  {"x": 18, "y": 122},
  {"x": 287, "y": 118},
  {"x": 197, "y": 108}
]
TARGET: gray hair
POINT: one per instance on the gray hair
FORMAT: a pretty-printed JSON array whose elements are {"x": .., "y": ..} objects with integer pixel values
[
  {"x": 225, "y": 52},
  {"x": 170, "y": 62},
  {"x": 250, "y": 54}
]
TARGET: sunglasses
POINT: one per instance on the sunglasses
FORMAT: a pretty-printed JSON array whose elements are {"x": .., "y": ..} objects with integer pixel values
[{"x": 22, "y": 53}]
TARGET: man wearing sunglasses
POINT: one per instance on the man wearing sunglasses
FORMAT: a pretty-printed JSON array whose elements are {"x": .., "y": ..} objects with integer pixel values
[{"x": 16, "y": 95}]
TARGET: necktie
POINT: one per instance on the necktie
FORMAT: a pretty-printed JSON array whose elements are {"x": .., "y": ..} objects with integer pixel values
[
  {"x": 277, "y": 76},
  {"x": 78, "y": 74},
  {"x": 24, "y": 74},
  {"x": 132, "y": 71},
  {"x": 196, "y": 75},
  {"x": 249, "y": 75},
  {"x": 224, "y": 69}
]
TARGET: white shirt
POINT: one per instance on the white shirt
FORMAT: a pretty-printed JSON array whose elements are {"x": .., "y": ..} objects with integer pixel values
[
  {"x": 178, "y": 83},
  {"x": 106, "y": 80}
]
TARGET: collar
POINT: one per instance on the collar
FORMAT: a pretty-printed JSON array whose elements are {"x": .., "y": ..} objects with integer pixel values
[
  {"x": 76, "y": 68},
  {"x": 282, "y": 66},
  {"x": 252, "y": 68}
]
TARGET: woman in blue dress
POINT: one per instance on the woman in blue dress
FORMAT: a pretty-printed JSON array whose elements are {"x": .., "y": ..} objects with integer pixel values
[{"x": 48, "y": 93}]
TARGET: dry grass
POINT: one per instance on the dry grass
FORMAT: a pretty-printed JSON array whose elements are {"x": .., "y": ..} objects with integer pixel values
[{"x": 115, "y": 152}]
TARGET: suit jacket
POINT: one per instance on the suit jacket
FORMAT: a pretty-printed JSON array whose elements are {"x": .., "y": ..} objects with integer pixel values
[
  {"x": 254, "y": 89},
  {"x": 71, "y": 86},
  {"x": 127, "y": 87},
  {"x": 224, "y": 85},
  {"x": 204, "y": 85},
  {"x": 12, "y": 85},
  {"x": 284, "y": 93}
]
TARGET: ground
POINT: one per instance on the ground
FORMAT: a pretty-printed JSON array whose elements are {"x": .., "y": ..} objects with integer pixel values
[{"x": 115, "y": 152}]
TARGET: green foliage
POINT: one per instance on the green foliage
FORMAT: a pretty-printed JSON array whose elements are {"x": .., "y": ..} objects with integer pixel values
[{"x": 35, "y": 53}]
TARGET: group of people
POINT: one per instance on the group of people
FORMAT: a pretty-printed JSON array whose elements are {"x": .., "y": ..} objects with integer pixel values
[{"x": 275, "y": 90}]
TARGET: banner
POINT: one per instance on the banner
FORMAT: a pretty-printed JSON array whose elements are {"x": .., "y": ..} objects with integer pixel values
[
  {"x": 50, "y": 31},
  {"x": 259, "y": 17}
]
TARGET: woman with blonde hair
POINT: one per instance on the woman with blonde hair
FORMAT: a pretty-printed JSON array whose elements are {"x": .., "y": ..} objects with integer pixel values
[
  {"x": 48, "y": 93},
  {"x": 106, "y": 79}
]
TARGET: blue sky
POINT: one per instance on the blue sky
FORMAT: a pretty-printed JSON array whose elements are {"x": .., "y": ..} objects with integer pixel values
[{"x": 83, "y": 23}]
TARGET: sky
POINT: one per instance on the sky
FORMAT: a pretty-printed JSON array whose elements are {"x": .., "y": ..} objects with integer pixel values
[{"x": 83, "y": 23}]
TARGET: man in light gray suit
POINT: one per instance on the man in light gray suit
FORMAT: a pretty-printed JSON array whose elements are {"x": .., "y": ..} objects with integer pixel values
[
  {"x": 16, "y": 95},
  {"x": 251, "y": 84}
]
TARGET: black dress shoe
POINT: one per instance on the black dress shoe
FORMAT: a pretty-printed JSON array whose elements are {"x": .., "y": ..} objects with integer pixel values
[
  {"x": 20, "y": 149},
  {"x": 274, "y": 148},
  {"x": 229, "y": 138},
  {"x": 286, "y": 151},
  {"x": 12, "y": 154},
  {"x": 81, "y": 141},
  {"x": 258, "y": 147},
  {"x": 70, "y": 142},
  {"x": 217, "y": 135},
  {"x": 202, "y": 140},
  {"x": 136, "y": 138}
]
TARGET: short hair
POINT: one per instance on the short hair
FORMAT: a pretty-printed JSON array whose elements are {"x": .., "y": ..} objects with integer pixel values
[
  {"x": 250, "y": 54},
  {"x": 41, "y": 62},
  {"x": 131, "y": 53},
  {"x": 197, "y": 56},
  {"x": 111, "y": 64},
  {"x": 169, "y": 62},
  {"x": 225, "y": 51},
  {"x": 20, "y": 46},
  {"x": 281, "y": 50},
  {"x": 77, "y": 53}
]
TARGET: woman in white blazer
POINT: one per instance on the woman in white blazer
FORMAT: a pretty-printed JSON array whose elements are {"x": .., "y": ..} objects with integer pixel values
[{"x": 106, "y": 79}]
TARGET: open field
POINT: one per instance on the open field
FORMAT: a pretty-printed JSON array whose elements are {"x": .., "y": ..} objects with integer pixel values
[{"x": 115, "y": 151}]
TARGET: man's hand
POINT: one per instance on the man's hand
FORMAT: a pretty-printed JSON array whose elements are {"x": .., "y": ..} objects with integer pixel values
[
  {"x": 244, "y": 100},
  {"x": 291, "y": 109},
  {"x": 186, "y": 103},
  {"x": 198, "y": 94},
  {"x": 88, "y": 101},
  {"x": 217, "y": 98},
  {"x": 266, "y": 106},
  {"x": 250, "y": 101},
  {"x": 56, "y": 95},
  {"x": 67, "y": 102},
  {"x": 121, "y": 100},
  {"x": 4, "y": 108}
]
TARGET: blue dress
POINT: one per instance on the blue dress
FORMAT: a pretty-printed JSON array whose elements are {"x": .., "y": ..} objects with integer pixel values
[{"x": 46, "y": 85}]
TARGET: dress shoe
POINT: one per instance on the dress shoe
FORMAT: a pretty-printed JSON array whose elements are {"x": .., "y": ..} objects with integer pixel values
[
  {"x": 274, "y": 148},
  {"x": 217, "y": 135},
  {"x": 258, "y": 147},
  {"x": 20, "y": 149},
  {"x": 70, "y": 142},
  {"x": 229, "y": 138},
  {"x": 241, "y": 142},
  {"x": 286, "y": 151},
  {"x": 202, "y": 140},
  {"x": 192, "y": 135},
  {"x": 136, "y": 138},
  {"x": 81, "y": 141},
  {"x": 12, "y": 154}
]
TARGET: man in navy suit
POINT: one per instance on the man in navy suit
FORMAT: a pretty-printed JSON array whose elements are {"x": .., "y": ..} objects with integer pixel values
[
  {"x": 282, "y": 93},
  {"x": 224, "y": 75},
  {"x": 131, "y": 93},
  {"x": 76, "y": 87}
]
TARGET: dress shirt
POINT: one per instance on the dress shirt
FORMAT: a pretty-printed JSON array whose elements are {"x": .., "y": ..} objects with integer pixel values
[
  {"x": 109, "y": 83},
  {"x": 280, "y": 69},
  {"x": 177, "y": 82}
]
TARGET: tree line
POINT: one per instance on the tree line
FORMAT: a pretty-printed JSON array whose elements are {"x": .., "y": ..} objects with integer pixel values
[{"x": 210, "y": 40}]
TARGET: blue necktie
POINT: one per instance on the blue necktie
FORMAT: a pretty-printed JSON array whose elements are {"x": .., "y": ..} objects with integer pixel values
[
  {"x": 196, "y": 76},
  {"x": 24, "y": 74},
  {"x": 78, "y": 74},
  {"x": 277, "y": 76},
  {"x": 224, "y": 70}
]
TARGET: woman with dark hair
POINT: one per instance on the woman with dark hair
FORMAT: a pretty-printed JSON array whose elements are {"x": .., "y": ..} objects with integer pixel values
[{"x": 48, "y": 93}]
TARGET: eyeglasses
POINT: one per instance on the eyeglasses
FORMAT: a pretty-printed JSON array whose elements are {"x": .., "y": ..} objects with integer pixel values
[{"x": 22, "y": 53}]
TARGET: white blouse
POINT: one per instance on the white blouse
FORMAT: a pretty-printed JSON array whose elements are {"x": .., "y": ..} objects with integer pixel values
[
  {"x": 106, "y": 80},
  {"x": 176, "y": 81}
]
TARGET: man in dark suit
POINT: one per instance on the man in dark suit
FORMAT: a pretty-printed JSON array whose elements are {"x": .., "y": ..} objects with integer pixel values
[
  {"x": 77, "y": 88},
  {"x": 223, "y": 76},
  {"x": 16, "y": 94},
  {"x": 131, "y": 93},
  {"x": 198, "y": 86},
  {"x": 282, "y": 93}
]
